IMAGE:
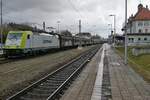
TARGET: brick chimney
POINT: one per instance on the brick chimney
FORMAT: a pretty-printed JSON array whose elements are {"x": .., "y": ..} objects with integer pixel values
[
  {"x": 147, "y": 7},
  {"x": 140, "y": 6}
]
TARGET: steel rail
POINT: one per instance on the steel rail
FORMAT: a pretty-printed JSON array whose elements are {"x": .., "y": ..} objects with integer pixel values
[{"x": 50, "y": 86}]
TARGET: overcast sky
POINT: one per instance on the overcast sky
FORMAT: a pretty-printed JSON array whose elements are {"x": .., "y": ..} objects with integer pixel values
[{"x": 93, "y": 13}]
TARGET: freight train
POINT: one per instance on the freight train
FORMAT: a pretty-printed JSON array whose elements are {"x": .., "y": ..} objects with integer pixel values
[{"x": 29, "y": 43}]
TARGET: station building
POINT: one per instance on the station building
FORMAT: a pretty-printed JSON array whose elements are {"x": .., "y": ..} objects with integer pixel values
[{"x": 138, "y": 27}]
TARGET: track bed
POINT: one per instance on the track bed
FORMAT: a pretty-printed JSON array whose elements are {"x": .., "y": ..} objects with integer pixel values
[{"x": 51, "y": 86}]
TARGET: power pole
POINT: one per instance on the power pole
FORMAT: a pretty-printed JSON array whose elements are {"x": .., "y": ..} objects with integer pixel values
[
  {"x": 80, "y": 45},
  {"x": 58, "y": 22},
  {"x": 44, "y": 26},
  {"x": 114, "y": 29},
  {"x": 126, "y": 39},
  {"x": 1, "y": 24},
  {"x": 79, "y": 26}
]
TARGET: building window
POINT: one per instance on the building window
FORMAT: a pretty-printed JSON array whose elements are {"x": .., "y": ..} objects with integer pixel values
[
  {"x": 139, "y": 39},
  {"x": 140, "y": 24},
  {"x": 146, "y": 23},
  {"x": 145, "y": 39},
  {"x": 146, "y": 30},
  {"x": 140, "y": 31},
  {"x": 131, "y": 39},
  {"x": 28, "y": 36}
]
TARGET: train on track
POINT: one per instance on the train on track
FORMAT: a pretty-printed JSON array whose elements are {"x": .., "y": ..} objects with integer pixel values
[{"x": 29, "y": 43}]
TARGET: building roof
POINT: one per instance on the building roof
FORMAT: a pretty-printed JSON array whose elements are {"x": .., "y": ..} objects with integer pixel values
[
  {"x": 143, "y": 13},
  {"x": 66, "y": 33},
  {"x": 84, "y": 34}
]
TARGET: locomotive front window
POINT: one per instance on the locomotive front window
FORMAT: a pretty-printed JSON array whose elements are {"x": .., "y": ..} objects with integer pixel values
[
  {"x": 15, "y": 36},
  {"x": 14, "y": 39}
]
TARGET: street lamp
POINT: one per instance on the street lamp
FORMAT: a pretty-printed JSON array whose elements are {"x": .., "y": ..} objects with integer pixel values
[
  {"x": 126, "y": 42},
  {"x": 111, "y": 33},
  {"x": 110, "y": 27},
  {"x": 114, "y": 25}
]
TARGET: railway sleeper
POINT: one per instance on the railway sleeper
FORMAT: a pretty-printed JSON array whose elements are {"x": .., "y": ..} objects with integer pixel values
[
  {"x": 47, "y": 87},
  {"x": 49, "y": 84},
  {"x": 54, "y": 81},
  {"x": 31, "y": 98},
  {"x": 61, "y": 76},
  {"x": 71, "y": 68},
  {"x": 42, "y": 91},
  {"x": 58, "y": 76},
  {"x": 66, "y": 73},
  {"x": 57, "y": 80},
  {"x": 37, "y": 95},
  {"x": 53, "y": 78},
  {"x": 26, "y": 98}
]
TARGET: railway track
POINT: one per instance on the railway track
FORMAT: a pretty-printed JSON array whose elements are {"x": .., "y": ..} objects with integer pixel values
[
  {"x": 4, "y": 60},
  {"x": 8, "y": 60},
  {"x": 51, "y": 87}
]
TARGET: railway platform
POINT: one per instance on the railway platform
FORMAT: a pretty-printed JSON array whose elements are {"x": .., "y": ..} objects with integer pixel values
[
  {"x": 107, "y": 78},
  {"x": 126, "y": 84}
]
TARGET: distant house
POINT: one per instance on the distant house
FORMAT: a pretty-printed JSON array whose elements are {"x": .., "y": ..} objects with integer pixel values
[
  {"x": 96, "y": 38},
  {"x": 66, "y": 33},
  {"x": 138, "y": 27},
  {"x": 86, "y": 35}
]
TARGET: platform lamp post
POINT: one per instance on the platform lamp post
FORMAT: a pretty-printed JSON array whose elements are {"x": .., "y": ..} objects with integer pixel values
[
  {"x": 1, "y": 24},
  {"x": 113, "y": 15},
  {"x": 111, "y": 33},
  {"x": 110, "y": 27},
  {"x": 126, "y": 42}
]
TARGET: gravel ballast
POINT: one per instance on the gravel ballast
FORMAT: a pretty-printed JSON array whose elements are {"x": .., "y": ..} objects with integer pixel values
[{"x": 16, "y": 75}]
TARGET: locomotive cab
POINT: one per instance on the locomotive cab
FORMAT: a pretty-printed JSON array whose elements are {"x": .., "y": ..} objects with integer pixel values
[{"x": 16, "y": 40}]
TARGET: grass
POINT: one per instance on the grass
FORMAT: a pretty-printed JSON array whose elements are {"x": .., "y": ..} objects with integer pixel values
[{"x": 141, "y": 63}]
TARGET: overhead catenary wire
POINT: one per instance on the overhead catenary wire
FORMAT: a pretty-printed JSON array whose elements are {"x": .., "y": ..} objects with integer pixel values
[{"x": 74, "y": 7}]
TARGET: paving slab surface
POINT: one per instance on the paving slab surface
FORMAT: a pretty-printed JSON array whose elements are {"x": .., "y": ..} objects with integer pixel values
[
  {"x": 97, "y": 90},
  {"x": 126, "y": 84},
  {"x": 82, "y": 87}
]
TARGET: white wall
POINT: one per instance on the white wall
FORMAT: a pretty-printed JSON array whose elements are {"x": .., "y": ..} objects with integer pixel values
[
  {"x": 43, "y": 41},
  {"x": 143, "y": 27},
  {"x": 136, "y": 41}
]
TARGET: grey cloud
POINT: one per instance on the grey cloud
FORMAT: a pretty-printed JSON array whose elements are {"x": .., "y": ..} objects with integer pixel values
[
  {"x": 92, "y": 12},
  {"x": 43, "y": 5}
]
